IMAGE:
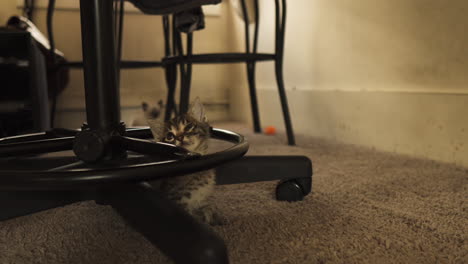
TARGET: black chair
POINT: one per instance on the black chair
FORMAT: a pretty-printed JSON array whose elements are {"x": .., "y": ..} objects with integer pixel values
[
  {"x": 250, "y": 57},
  {"x": 174, "y": 55},
  {"x": 111, "y": 164}
]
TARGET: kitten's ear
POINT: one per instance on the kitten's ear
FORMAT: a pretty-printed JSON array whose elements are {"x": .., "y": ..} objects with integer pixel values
[
  {"x": 157, "y": 128},
  {"x": 197, "y": 111},
  {"x": 144, "y": 106}
]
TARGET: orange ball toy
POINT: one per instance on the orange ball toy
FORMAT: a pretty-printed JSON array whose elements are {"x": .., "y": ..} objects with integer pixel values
[{"x": 270, "y": 130}]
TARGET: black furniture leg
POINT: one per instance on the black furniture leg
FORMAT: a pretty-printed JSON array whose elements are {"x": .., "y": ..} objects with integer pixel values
[
  {"x": 101, "y": 86},
  {"x": 119, "y": 23},
  {"x": 170, "y": 71},
  {"x": 251, "y": 65},
  {"x": 253, "y": 97},
  {"x": 171, "y": 79},
  {"x": 279, "y": 47},
  {"x": 100, "y": 67},
  {"x": 50, "y": 33},
  {"x": 284, "y": 103},
  {"x": 168, "y": 226},
  {"x": 185, "y": 72}
]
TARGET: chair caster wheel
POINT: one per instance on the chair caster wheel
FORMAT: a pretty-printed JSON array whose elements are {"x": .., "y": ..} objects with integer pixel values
[{"x": 293, "y": 190}]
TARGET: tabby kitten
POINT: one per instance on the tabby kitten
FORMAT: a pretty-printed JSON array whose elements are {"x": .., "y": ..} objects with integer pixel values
[{"x": 192, "y": 132}]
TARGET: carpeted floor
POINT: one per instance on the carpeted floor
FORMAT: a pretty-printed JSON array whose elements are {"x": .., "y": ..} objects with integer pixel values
[{"x": 366, "y": 207}]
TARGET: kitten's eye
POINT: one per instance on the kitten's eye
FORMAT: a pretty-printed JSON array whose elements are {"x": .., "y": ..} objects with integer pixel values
[
  {"x": 170, "y": 137},
  {"x": 189, "y": 127}
]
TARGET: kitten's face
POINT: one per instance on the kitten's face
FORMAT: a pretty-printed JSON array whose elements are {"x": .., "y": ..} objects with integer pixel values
[
  {"x": 152, "y": 111},
  {"x": 190, "y": 131},
  {"x": 186, "y": 132}
]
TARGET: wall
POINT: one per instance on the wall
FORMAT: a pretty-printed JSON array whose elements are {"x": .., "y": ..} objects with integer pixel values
[
  {"x": 385, "y": 74},
  {"x": 143, "y": 40},
  {"x": 7, "y": 9}
]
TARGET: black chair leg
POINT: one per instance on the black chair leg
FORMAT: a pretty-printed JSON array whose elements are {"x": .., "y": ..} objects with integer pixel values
[
  {"x": 185, "y": 80},
  {"x": 253, "y": 97},
  {"x": 185, "y": 72},
  {"x": 284, "y": 103},
  {"x": 168, "y": 226},
  {"x": 100, "y": 65},
  {"x": 251, "y": 65},
  {"x": 280, "y": 29},
  {"x": 170, "y": 71},
  {"x": 171, "y": 79},
  {"x": 50, "y": 33},
  {"x": 119, "y": 24}
]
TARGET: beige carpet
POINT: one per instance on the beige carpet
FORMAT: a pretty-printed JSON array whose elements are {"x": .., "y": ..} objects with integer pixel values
[{"x": 367, "y": 207}]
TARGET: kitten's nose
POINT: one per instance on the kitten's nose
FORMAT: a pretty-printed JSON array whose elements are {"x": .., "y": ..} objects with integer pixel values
[
  {"x": 154, "y": 113},
  {"x": 180, "y": 138}
]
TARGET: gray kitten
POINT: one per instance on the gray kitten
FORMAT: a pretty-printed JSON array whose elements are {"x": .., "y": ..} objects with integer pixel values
[
  {"x": 150, "y": 111},
  {"x": 190, "y": 131}
]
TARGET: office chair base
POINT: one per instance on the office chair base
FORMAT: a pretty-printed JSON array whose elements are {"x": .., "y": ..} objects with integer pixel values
[
  {"x": 157, "y": 218},
  {"x": 294, "y": 173}
]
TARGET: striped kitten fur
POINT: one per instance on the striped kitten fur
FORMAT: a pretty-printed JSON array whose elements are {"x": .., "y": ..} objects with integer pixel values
[{"x": 190, "y": 131}]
